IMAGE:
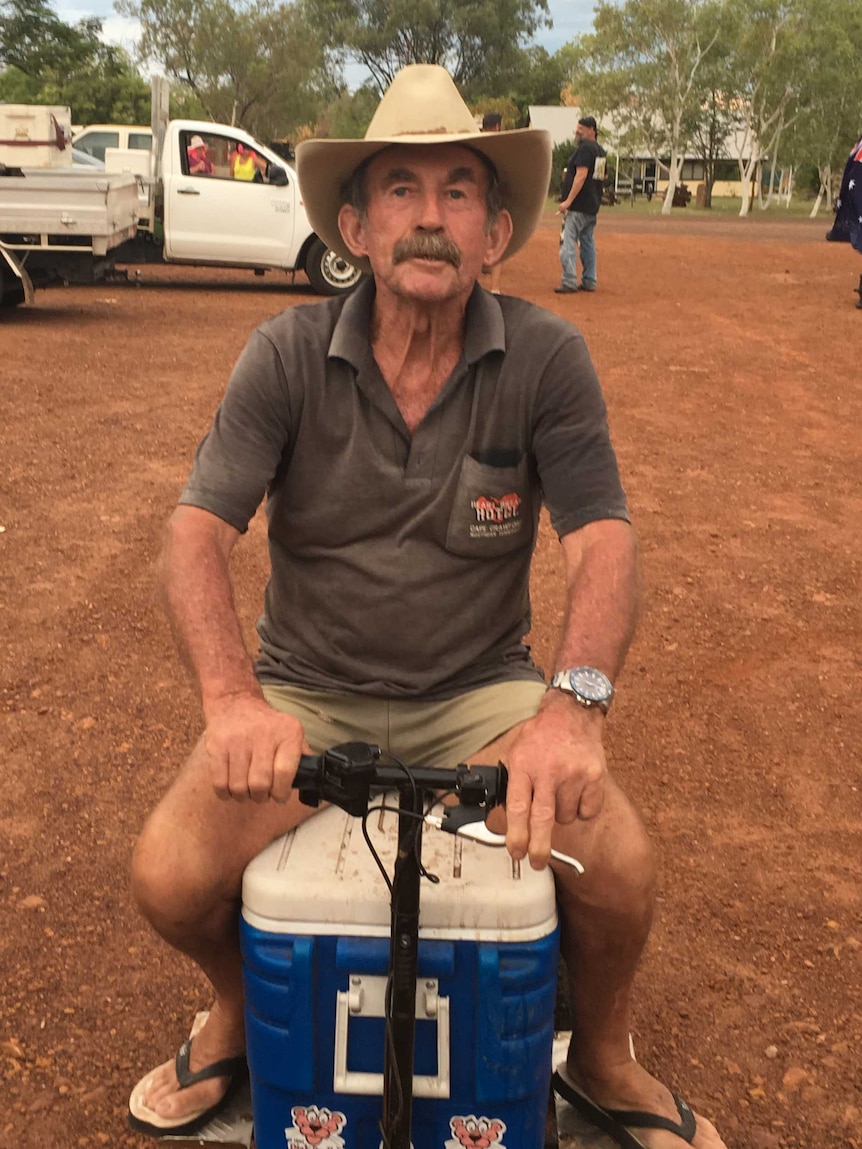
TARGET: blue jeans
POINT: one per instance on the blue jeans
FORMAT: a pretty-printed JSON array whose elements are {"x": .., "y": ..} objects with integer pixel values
[{"x": 578, "y": 236}]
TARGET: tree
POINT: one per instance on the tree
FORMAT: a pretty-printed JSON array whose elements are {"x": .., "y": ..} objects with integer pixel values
[
  {"x": 830, "y": 106},
  {"x": 641, "y": 62},
  {"x": 45, "y": 61},
  {"x": 478, "y": 41},
  {"x": 763, "y": 79},
  {"x": 535, "y": 78},
  {"x": 253, "y": 63}
]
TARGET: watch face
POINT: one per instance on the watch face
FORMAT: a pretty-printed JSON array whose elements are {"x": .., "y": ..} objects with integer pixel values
[{"x": 590, "y": 684}]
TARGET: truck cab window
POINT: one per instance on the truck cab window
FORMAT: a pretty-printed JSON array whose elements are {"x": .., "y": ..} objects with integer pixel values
[{"x": 94, "y": 143}]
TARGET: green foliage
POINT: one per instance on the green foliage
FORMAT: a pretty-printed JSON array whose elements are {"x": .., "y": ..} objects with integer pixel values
[
  {"x": 45, "y": 61},
  {"x": 479, "y": 41},
  {"x": 348, "y": 117},
  {"x": 254, "y": 63},
  {"x": 535, "y": 78},
  {"x": 829, "y": 115},
  {"x": 642, "y": 61}
]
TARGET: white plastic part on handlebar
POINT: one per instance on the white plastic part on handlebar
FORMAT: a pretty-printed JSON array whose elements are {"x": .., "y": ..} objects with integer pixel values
[{"x": 479, "y": 832}]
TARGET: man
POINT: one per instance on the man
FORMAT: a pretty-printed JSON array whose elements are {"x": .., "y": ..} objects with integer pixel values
[
  {"x": 199, "y": 162},
  {"x": 405, "y": 437},
  {"x": 493, "y": 122},
  {"x": 581, "y": 198}
]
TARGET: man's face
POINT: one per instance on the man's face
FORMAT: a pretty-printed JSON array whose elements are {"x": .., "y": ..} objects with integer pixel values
[{"x": 426, "y": 230}]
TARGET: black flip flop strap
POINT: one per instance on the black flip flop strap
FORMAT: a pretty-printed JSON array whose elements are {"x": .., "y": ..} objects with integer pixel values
[
  {"x": 685, "y": 1128},
  {"x": 599, "y": 1117},
  {"x": 614, "y": 1121},
  {"x": 227, "y": 1067}
]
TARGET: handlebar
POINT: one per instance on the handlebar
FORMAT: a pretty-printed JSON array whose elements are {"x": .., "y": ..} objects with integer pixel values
[{"x": 347, "y": 775}]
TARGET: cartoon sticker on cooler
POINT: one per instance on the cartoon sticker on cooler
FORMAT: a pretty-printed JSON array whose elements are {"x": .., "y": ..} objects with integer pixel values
[
  {"x": 476, "y": 1133},
  {"x": 315, "y": 1127}
]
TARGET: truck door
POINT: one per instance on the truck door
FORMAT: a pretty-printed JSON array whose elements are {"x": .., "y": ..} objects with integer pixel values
[{"x": 221, "y": 205}]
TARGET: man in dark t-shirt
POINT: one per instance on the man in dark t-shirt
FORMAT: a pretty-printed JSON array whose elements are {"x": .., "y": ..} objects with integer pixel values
[{"x": 581, "y": 198}]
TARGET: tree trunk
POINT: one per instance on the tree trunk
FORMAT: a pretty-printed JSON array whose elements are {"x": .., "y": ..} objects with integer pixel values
[
  {"x": 746, "y": 169},
  {"x": 788, "y": 195},
  {"x": 772, "y": 165},
  {"x": 825, "y": 175},
  {"x": 674, "y": 172}
]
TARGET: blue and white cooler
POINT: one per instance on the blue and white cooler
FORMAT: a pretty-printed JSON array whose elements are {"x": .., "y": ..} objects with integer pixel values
[{"x": 315, "y": 943}]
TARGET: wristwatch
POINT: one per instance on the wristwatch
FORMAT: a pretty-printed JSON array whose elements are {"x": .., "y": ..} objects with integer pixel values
[{"x": 589, "y": 686}]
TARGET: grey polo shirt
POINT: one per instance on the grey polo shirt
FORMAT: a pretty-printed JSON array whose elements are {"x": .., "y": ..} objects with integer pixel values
[{"x": 400, "y": 564}]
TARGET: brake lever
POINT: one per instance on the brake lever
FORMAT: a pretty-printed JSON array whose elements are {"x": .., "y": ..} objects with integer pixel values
[{"x": 477, "y": 831}]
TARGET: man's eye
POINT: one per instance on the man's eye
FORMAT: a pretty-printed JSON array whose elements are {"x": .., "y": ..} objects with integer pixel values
[{"x": 400, "y": 191}]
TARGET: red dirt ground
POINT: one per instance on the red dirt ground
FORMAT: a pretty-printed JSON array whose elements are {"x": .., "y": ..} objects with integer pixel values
[{"x": 729, "y": 352}]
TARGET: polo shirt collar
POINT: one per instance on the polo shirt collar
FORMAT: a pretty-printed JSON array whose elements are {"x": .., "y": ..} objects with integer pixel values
[{"x": 485, "y": 328}]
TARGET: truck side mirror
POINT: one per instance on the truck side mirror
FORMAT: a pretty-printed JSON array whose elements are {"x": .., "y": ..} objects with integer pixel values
[{"x": 277, "y": 176}]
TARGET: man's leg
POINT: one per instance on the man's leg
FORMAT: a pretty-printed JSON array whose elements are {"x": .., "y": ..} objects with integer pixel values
[
  {"x": 567, "y": 253},
  {"x": 605, "y": 917},
  {"x": 587, "y": 245},
  {"x": 187, "y": 879}
]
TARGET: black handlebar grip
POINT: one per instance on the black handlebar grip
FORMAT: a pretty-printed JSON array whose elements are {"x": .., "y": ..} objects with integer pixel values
[{"x": 308, "y": 772}]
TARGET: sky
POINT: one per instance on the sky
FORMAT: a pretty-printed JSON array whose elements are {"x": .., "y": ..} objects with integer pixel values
[{"x": 569, "y": 17}]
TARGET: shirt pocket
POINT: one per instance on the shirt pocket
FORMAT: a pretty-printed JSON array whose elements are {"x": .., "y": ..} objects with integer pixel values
[{"x": 492, "y": 512}]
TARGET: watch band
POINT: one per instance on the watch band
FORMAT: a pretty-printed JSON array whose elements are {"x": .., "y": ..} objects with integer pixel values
[{"x": 590, "y": 688}]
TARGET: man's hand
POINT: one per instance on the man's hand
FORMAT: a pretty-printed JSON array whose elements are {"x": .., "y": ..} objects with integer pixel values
[
  {"x": 556, "y": 770},
  {"x": 253, "y": 749}
]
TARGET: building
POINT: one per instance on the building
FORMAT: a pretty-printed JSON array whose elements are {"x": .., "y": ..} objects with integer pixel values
[{"x": 640, "y": 171}]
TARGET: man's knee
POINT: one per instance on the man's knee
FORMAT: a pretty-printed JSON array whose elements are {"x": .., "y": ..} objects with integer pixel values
[
  {"x": 619, "y": 859},
  {"x": 169, "y": 879}
]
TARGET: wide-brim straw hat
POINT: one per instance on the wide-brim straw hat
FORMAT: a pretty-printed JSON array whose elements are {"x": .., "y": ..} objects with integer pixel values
[{"x": 423, "y": 106}]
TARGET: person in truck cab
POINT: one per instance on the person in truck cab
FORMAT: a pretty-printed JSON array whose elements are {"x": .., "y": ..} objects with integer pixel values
[
  {"x": 199, "y": 162},
  {"x": 246, "y": 164}
]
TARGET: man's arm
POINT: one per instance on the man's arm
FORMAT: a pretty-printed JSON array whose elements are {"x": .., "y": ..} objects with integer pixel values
[
  {"x": 253, "y": 749},
  {"x": 557, "y": 765}
]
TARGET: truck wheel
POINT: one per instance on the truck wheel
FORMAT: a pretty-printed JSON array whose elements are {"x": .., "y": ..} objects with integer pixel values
[
  {"x": 11, "y": 289},
  {"x": 330, "y": 273}
]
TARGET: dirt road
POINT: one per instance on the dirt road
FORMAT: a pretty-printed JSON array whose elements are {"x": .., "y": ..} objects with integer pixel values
[{"x": 729, "y": 353}]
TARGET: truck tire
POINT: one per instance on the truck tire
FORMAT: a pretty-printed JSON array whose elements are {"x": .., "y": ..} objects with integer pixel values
[
  {"x": 330, "y": 273},
  {"x": 11, "y": 288}
]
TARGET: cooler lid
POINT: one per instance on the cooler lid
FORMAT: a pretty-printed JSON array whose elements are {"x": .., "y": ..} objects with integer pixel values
[{"x": 322, "y": 879}]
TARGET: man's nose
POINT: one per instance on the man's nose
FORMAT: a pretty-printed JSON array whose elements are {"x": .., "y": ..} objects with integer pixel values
[{"x": 430, "y": 216}]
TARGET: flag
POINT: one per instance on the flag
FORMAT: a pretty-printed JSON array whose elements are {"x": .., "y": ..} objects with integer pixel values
[{"x": 848, "y": 211}]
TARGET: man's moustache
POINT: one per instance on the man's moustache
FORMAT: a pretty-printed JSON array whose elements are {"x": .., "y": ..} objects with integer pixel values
[{"x": 426, "y": 247}]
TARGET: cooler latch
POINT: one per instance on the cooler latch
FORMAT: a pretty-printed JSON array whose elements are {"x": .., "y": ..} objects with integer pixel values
[{"x": 366, "y": 997}]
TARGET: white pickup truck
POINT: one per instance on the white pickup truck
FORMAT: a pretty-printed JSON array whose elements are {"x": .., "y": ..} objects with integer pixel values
[{"x": 207, "y": 194}]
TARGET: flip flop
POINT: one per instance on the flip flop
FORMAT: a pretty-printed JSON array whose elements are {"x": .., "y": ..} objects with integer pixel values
[
  {"x": 614, "y": 1121},
  {"x": 145, "y": 1120}
]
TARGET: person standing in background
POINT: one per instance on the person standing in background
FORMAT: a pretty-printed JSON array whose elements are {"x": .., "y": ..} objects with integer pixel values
[
  {"x": 848, "y": 209},
  {"x": 581, "y": 198}
]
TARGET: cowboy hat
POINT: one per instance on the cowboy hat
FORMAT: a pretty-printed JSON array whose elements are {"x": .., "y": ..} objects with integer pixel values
[{"x": 423, "y": 106}]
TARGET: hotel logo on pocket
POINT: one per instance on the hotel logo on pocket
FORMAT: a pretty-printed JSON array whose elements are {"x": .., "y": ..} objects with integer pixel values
[{"x": 495, "y": 517}]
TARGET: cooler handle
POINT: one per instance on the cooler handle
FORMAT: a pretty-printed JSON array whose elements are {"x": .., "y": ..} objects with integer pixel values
[{"x": 366, "y": 997}]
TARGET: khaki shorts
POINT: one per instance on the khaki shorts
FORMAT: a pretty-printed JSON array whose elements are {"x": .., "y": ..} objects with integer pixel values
[{"x": 418, "y": 733}]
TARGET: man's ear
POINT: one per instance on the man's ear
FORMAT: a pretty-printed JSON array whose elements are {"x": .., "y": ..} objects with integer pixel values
[
  {"x": 497, "y": 239},
  {"x": 352, "y": 230}
]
